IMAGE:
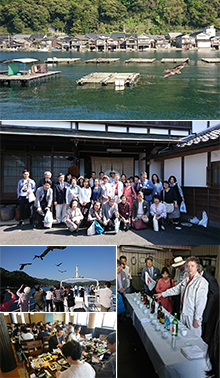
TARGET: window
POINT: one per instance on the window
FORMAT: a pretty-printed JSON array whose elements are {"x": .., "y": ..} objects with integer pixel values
[
  {"x": 214, "y": 174},
  {"x": 108, "y": 320},
  {"x": 81, "y": 319},
  {"x": 13, "y": 168},
  {"x": 40, "y": 164}
]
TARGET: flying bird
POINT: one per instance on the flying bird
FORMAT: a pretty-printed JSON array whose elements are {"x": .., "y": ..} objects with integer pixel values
[
  {"x": 175, "y": 70},
  {"x": 23, "y": 265},
  {"x": 46, "y": 252},
  {"x": 62, "y": 271},
  {"x": 59, "y": 264}
]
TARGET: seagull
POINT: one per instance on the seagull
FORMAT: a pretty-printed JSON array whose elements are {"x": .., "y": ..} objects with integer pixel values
[
  {"x": 23, "y": 265},
  {"x": 46, "y": 252},
  {"x": 59, "y": 264},
  {"x": 175, "y": 70},
  {"x": 62, "y": 271}
]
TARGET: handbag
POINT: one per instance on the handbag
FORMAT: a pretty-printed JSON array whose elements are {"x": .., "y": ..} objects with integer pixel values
[
  {"x": 98, "y": 228},
  {"x": 31, "y": 197},
  {"x": 139, "y": 224},
  {"x": 91, "y": 229},
  {"x": 170, "y": 298}
]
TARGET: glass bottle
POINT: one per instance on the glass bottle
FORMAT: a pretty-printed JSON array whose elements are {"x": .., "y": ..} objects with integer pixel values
[{"x": 175, "y": 325}]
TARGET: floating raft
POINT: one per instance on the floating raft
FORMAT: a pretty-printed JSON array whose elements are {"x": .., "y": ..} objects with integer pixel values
[
  {"x": 102, "y": 60},
  {"x": 29, "y": 78},
  {"x": 106, "y": 78},
  {"x": 55, "y": 60},
  {"x": 211, "y": 60},
  {"x": 174, "y": 60},
  {"x": 140, "y": 60}
]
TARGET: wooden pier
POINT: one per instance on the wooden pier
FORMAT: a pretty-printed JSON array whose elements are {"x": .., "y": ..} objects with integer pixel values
[
  {"x": 55, "y": 60},
  {"x": 174, "y": 60},
  {"x": 106, "y": 78},
  {"x": 28, "y": 78},
  {"x": 211, "y": 60},
  {"x": 140, "y": 60},
  {"x": 102, "y": 60}
]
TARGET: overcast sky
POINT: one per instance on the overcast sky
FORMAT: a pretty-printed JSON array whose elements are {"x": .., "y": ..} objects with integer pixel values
[{"x": 94, "y": 261}]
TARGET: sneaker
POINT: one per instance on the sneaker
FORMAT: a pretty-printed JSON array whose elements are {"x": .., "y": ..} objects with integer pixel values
[{"x": 163, "y": 228}]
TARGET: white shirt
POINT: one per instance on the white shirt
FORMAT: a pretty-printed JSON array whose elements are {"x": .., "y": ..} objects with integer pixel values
[
  {"x": 140, "y": 208},
  {"x": 128, "y": 274},
  {"x": 83, "y": 370},
  {"x": 50, "y": 295},
  {"x": 74, "y": 336},
  {"x": 84, "y": 195},
  {"x": 105, "y": 296}
]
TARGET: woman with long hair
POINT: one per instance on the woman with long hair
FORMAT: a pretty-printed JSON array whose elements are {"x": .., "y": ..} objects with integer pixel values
[
  {"x": 129, "y": 192},
  {"x": 158, "y": 186}
]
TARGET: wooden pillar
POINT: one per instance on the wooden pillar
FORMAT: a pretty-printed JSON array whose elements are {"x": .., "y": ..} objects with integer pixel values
[{"x": 7, "y": 359}]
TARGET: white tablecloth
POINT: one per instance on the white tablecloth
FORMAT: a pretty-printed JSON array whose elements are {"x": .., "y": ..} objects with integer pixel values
[{"x": 167, "y": 362}]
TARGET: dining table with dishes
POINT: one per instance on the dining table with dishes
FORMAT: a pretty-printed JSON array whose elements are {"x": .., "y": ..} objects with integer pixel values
[{"x": 180, "y": 356}]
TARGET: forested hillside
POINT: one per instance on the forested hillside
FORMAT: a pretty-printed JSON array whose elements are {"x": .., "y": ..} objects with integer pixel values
[{"x": 104, "y": 16}]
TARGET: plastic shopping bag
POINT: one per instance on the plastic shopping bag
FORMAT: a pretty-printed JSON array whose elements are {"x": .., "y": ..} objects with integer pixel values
[
  {"x": 183, "y": 207},
  {"x": 48, "y": 219},
  {"x": 117, "y": 225},
  {"x": 98, "y": 228},
  {"x": 194, "y": 220},
  {"x": 91, "y": 229},
  {"x": 155, "y": 224},
  {"x": 204, "y": 220}
]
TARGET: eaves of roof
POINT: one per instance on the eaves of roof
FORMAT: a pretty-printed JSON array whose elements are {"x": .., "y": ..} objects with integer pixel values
[{"x": 89, "y": 135}]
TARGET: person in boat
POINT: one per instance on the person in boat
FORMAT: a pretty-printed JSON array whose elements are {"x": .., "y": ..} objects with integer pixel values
[
  {"x": 5, "y": 306},
  {"x": 105, "y": 296}
]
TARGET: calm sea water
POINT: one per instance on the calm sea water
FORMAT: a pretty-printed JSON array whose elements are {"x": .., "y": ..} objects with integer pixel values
[{"x": 195, "y": 94}]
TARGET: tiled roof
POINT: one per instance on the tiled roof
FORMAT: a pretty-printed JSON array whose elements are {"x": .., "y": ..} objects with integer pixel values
[{"x": 212, "y": 133}]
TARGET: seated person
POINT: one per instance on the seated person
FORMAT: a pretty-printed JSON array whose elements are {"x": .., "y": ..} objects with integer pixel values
[
  {"x": 42, "y": 334},
  {"x": 75, "y": 335},
  {"x": 25, "y": 335},
  {"x": 140, "y": 208},
  {"x": 56, "y": 340},
  {"x": 43, "y": 202},
  {"x": 110, "y": 214},
  {"x": 95, "y": 213},
  {"x": 109, "y": 368},
  {"x": 72, "y": 351},
  {"x": 159, "y": 209},
  {"x": 73, "y": 216},
  {"x": 124, "y": 210}
]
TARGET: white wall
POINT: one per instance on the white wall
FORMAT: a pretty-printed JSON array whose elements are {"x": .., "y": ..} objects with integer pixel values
[
  {"x": 215, "y": 156},
  {"x": 155, "y": 167},
  {"x": 142, "y": 164},
  {"x": 172, "y": 167},
  {"x": 195, "y": 170}
]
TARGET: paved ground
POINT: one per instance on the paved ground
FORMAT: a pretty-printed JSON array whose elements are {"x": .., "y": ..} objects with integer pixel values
[{"x": 13, "y": 234}]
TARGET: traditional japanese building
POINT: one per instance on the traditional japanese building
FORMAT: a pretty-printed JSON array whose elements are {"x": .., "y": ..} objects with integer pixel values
[{"x": 125, "y": 147}]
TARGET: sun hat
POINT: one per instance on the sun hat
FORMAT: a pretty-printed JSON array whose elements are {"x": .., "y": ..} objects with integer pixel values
[
  {"x": 178, "y": 261},
  {"x": 27, "y": 290}
]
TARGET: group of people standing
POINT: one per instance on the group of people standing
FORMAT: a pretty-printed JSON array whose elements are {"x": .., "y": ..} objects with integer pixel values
[{"x": 112, "y": 202}]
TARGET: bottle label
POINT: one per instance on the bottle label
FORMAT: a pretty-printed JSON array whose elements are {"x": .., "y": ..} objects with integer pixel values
[{"x": 174, "y": 329}]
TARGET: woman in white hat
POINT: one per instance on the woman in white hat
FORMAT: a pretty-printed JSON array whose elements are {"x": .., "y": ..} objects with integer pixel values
[{"x": 24, "y": 297}]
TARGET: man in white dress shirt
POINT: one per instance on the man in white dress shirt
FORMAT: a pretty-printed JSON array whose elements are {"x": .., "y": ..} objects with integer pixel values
[
  {"x": 127, "y": 271},
  {"x": 105, "y": 296}
]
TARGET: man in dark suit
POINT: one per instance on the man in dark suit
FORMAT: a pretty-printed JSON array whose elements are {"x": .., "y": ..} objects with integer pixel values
[
  {"x": 69, "y": 295},
  {"x": 47, "y": 177},
  {"x": 213, "y": 289},
  {"x": 59, "y": 198},
  {"x": 153, "y": 272},
  {"x": 56, "y": 340}
]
